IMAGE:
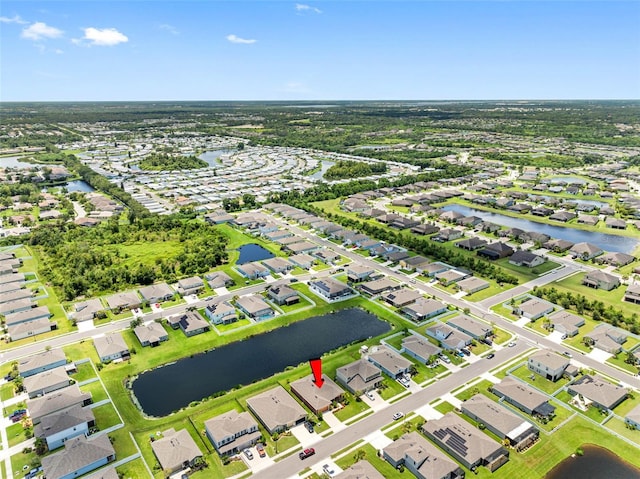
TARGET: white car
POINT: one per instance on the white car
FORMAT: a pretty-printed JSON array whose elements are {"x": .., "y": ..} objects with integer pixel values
[
  {"x": 370, "y": 395},
  {"x": 512, "y": 344},
  {"x": 329, "y": 470},
  {"x": 398, "y": 415}
]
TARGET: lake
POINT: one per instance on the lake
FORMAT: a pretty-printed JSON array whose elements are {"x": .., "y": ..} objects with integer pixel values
[
  {"x": 211, "y": 157},
  {"x": 79, "y": 185},
  {"x": 597, "y": 463},
  {"x": 608, "y": 242},
  {"x": 253, "y": 252},
  {"x": 14, "y": 162},
  {"x": 169, "y": 388},
  {"x": 325, "y": 165}
]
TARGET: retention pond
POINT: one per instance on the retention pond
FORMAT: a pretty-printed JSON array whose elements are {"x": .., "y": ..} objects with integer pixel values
[
  {"x": 169, "y": 388},
  {"x": 597, "y": 463}
]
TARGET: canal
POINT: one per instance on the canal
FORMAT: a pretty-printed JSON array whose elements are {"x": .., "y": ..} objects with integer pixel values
[
  {"x": 608, "y": 242},
  {"x": 169, "y": 388},
  {"x": 597, "y": 463}
]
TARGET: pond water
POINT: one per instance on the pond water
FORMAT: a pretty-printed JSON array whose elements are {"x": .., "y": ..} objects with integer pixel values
[
  {"x": 169, "y": 388},
  {"x": 608, "y": 242},
  {"x": 79, "y": 185},
  {"x": 253, "y": 252},
  {"x": 568, "y": 179},
  {"x": 14, "y": 162},
  {"x": 597, "y": 463},
  {"x": 325, "y": 165},
  {"x": 211, "y": 157}
]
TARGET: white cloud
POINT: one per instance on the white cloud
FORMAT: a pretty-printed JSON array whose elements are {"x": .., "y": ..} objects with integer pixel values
[
  {"x": 40, "y": 31},
  {"x": 169, "y": 28},
  {"x": 104, "y": 37},
  {"x": 236, "y": 39},
  {"x": 14, "y": 19},
  {"x": 301, "y": 7}
]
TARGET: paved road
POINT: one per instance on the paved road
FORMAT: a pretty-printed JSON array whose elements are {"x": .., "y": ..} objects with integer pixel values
[{"x": 362, "y": 428}]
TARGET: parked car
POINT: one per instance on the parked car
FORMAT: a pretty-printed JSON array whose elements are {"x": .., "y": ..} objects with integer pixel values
[
  {"x": 260, "y": 449},
  {"x": 398, "y": 415},
  {"x": 567, "y": 354},
  {"x": 445, "y": 359},
  {"x": 309, "y": 426},
  {"x": 512, "y": 344},
  {"x": 370, "y": 395},
  {"x": 248, "y": 453},
  {"x": 491, "y": 356},
  {"x": 466, "y": 352},
  {"x": 329, "y": 470},
  {"x": 307, "y": 453}
]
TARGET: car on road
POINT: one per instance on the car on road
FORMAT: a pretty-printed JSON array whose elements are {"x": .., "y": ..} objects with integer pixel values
[
  {"x": 398, "y": 415},
  {"x": 567, "y": 354},
  {"x": 370, "y": 395},
  {"x": 307, "y": 453},
  {"x": 491, "y": 356},
  {"x": 260, "y": 449},
  {"x": 512, "y": 344},
  {"x": 210, "y": 298},
  {"x": 248, "y": 453},
  {"x": 329, "y": 470}
]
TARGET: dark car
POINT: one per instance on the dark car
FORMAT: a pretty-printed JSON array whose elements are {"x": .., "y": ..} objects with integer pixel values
[
  {"x": 491, "y": 356},
  {"x": 309, "y": 426},
  {"x": 307, "y": 453}
]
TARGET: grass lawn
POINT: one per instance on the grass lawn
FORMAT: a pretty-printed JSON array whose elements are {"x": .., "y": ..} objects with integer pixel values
[
  {"x": 627, "y": 405},
  {"x": 122, "y": 442},
  {"x": 609, "y": 298},
  {"x": 444, "y": 407},
  {"x": 425, "y": 373},
  {"x": 286, "y": 441},
  {"x": 619, "y": 361},
  {"x": 85, "y": 372},
  {"x": 493, "y": 289},
  {"x": 480, "y": 388},
  {"x": 223, "y": 328},
  {"x": 133, "y": 470},
  {"x": 354, "y": 408},
  {"x": 97, "y": 391},
  {"x": 288, "y": 308},
  {"x": 576, "y": 341},
  {"x": 543, "y": 384},
  {"x": 396, "y": 340},
  {"x": 390, "y": 388},
  {"x": 20, "y": 460},
  {"x": 405, "y": 426},
  {"x": 592, "y": 412},
  {"x": 106, "y": 416},
  {"x": 501, "y": 336},
  {"x": 6, "y": 391},
  {"x": 618, "y": 426},
  {"x": 505, "y": 312},
  {"x": 16, "y": 433}
]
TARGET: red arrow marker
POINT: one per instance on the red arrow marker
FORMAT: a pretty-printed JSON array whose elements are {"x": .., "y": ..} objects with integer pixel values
[{"x": 316, "y": 368}]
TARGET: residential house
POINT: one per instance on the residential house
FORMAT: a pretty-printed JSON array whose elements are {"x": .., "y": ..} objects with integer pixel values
[
  {"x": 548, "y": 365},
  {"x": 283, "y": 294},
  {"x": 318, "y": 399},
  {"x": 16, "y": 306},
  {"x": 38, "y": 363},
  {"x": 500, "y": 420},
  {"x": 80, "y": 455},
  {"x": 192, "y": 285},
  {"x": 30, "y": 328},
  {"x": 32, "y": 314},
  {"x": 232, "y": 432},
  {"x": 111, "y": 346},
  {"x": 600, "y": 280},
  {"x": 525, "y": 258},
  {"x": 496, "y": 250},
  {"x": 598, "y": 391},
  {"x": 448, "y": 337},
  {"x": 190, "y": 322},
  {"x": 448, "y": 234},
  {"x": 253, "y": 270},
  {"x": 524, "y": 397},
  {"x": 471, "y": 244},
  {"x": 276, "y": 410},
  {"x": 421, "y": 457},
  {"x": 302, "y": 260},
  {"x": 358, "y": 272},
  {"x": 15, "y": 295},
  {"x": 278, "y": 265},
  {"x": 632, "y": 294},
  {"x": 302, "y": 247},
  {"x": 359, "y": 376},
  {"x": 423, "y": 309},
  {"x": 221, "y": 312},
  {"x": 566, "y": 322},
  {"x": 607, "y": 338},
  {"x": 558, "y": 245},
  {"x": 585, "y": 251},
  {"x": 60, "y": 426},
  {"x": 590, "y": 220},
  {"x": 59, "y": 400},
  {"x": 616, "y": 223},
  {"x": 632, "y": 418},
  {"x": 616, "y": 259},
  {"x": 451, "y": 276},
  {"x": 46, "y": 382},
  {"x": 151, "y": 334},
  {"x": 121, "y": 301},
  {"x": 255, "y": 307},
  {"x": 87, "y": 310},
  {"x": 431, "y": 269},
  {"x": 465, "y": 443},
  {"x": 412, "y": 262},
  {"x": 360, "y": 470},
  {"x": 378, "y": 286},
  {"x": 175, "y": 450},
  {"x": 472, "y": 285},
  {"x": 156, "y": 293},
  {"x": 533, "y": 308},
  {"x": 401, "y": 297},
  {"x": 326, "y": 255},
  {"x": 473, "y": 327},
  {"x": 562, "y": 216},
  {"x": 330, "y": 289},
  {"x": 219, "y": 279},
  {"x": 425, "y": 229},
  {"x": 390, "y": 362},
  {"x": 420, "y": 348}
]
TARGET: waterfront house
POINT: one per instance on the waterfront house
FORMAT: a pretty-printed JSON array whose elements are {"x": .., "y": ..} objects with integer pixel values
[
  {"x": 276, "y": 410},
  {"x": 232, "y": 432}
]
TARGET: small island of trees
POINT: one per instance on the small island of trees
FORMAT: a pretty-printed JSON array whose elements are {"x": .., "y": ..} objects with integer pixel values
[
  {"x": 164, "y": 162},
  {"x": 353, "y": 169}
]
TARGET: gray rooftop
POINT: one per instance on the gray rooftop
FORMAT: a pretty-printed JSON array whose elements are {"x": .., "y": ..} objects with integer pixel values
[
  {"x": 78, "y": 452},
  {"x": 40, "y": 360},
  {"x": 175, "y": 448}
]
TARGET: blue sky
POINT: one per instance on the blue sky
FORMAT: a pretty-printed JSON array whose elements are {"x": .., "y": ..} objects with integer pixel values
[{"x": 338, "y": 50}]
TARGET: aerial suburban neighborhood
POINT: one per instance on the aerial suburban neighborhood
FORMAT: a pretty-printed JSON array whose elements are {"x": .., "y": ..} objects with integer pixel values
[{"x": 473, "y": 316}]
